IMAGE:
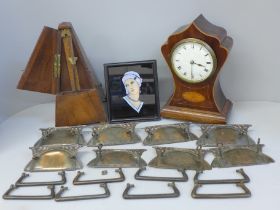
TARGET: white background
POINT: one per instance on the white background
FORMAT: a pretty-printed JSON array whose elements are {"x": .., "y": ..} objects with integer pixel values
[{"x": 130, "y": 30}]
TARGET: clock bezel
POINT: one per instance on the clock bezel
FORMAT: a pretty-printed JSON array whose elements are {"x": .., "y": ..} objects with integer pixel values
[{"x": 204, "y": 44}]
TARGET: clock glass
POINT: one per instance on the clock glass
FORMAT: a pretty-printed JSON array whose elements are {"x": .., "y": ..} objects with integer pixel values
[{"x": 193, "y": 60}]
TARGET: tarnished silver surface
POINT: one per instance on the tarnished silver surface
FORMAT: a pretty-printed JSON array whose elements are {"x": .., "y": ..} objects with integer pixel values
[
  {"x": 59, "y": 197},
  {"x": 245, "y": 194},
  {"x": 232, "y": 156},
  {"x": 184, "y": 177},
  {"x": 180, "y": 158},
  {"x": 176, "y": 193},
  {"x": 235, "y": 134},
  {"x": 245, "y": 179},
  {"x": 76, "y": 180},
  {"x": 54, "y": 158},
  {"x": 56, "y": 150},
  {"x": 61, "y": 136},
  {"x": 117, "y": 158},
  {"x": 114, "y": 134},
  {"x": 239, "y": 183},
  {"x": 7, "y": 195},
  {"x": 20, "y": 183},
  {"x": 167, "y": 134}
]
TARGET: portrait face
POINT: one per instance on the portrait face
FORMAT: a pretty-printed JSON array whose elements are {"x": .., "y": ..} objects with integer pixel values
[
  {"x": 132, "y": 92},
  {"x": 132, "y": 87}
]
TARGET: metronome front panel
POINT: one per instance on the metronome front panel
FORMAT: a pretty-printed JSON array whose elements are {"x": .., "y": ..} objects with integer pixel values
[
  {"x": 39, "y": 75},
  {"x": 48, "y": 68}
]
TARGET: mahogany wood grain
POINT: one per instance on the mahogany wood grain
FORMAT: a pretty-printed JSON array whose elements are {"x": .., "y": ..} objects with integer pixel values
[
  {"x": 39, "y": 75},
  {"x": 215, "y": 108},
  {"x": 79, "y": 108},
  {"x": 79, "y": 95}
]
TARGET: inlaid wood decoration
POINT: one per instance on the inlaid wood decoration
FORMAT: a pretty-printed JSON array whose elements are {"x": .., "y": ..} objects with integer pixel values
[
  {"x": 58, "y": 65},
  {"x": 195, "y": 55}
]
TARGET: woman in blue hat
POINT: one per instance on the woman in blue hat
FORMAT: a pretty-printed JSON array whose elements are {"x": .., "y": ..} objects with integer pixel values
[{"x": 132, "y": 83}]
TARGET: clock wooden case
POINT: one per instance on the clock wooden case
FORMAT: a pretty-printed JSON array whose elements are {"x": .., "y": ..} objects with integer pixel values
[{"x": 198, "y": 100}]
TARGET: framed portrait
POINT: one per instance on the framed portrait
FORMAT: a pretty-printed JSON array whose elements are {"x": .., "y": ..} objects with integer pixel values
[{"x": 132, "y": 91}]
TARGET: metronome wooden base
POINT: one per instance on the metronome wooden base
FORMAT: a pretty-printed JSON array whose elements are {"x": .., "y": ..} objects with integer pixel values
[
  {"x": 195, "y": 115},
  {"x": 79, "y": 108}
]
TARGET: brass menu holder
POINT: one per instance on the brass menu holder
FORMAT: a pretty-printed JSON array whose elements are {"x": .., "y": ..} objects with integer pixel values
[
  {"x": 245, "y": 194},
  {"x": 239, "y": 183},
  {"x": 174, "y": 194},
  {"x": 117, "y": 158},
  {"x": 7, "y": 195},
  {"x": 59, "y": 197},
  {"x": 20, "y": 183},
  {"x": 114, "y": 134},
  {"x": 76, "y": 180},
  {"x": 61, "y": 136},
  {"x": 138, "y": 176},
  {"x": 167, "y": 134},
  {"x": 180, "y": 158},
  {"x": 54, "y": 158},
  {"x": 236, "y": 134},
  {"x": 245, "y": 179},
  {"x": 56, "y": 150},
  {"x": 231, "y": 156}
]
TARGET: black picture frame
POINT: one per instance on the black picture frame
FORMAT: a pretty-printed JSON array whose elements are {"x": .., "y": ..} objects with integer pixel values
[{"x": 118, "y": 107}]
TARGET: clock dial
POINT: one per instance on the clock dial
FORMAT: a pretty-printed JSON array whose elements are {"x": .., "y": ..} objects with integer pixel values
[{"x": 193, "y": 60}]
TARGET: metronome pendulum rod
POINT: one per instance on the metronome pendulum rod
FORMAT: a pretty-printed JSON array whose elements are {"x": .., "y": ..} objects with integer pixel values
[{"x": 70, "y": 59}]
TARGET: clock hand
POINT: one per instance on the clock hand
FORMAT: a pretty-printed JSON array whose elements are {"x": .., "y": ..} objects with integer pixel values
[
  {"x": 198, "y": 64},
  {"x": 192, "y": 62}
]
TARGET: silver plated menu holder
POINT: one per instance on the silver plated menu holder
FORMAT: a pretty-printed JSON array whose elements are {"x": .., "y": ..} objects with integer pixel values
[
  {"x": 117, "y": 158},
  {"x": 7, "y": 195},
  {"x": 167, "y": 134},
  {"x": 113, "y": 134},
  {"x": 21, "y": 183},
  {"x": 56, "y": 150},
  {"x": 54, "y": 158},
  {"x": 77, "y": 180},
  {"x": 180, "y": 158},
  {"x": 174, "y": 194},
  {"x": 232, "y": 156},
  {"x": 234, "y": 134},
  {"x": 61, "y": 136},
  {"x": 60, "y": 198}
]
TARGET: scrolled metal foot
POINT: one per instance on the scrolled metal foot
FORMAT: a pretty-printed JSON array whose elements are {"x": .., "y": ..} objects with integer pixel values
[
  {"x": 175, "y": 194},
  {"x": 20, "y": 183},
  {"x": 76, "y": 180},
  {"x": 184, "y": 177},
  {"x": 245, "y": 179},
  {"x": 12, "y": 188},
  {"x": 58, "y": 196},
  {"x": 246, "y": 194}
]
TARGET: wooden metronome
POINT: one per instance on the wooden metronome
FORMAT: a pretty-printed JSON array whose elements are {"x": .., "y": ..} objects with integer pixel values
[
  {"x": 195, "y": 55},
  {"x": 58, "y": 65}
]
